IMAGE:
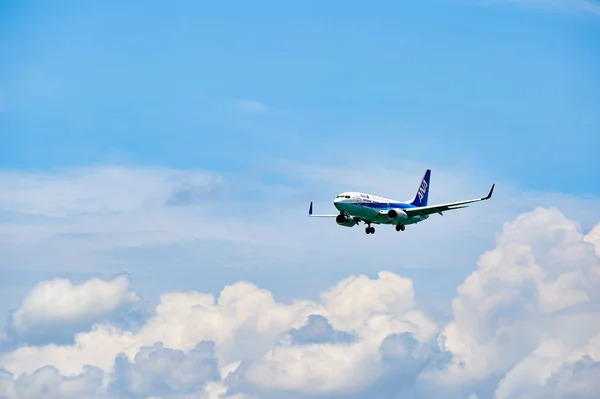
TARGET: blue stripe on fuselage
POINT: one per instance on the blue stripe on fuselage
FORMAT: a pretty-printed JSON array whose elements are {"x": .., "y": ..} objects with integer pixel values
[{"x": 381, "y": 205}]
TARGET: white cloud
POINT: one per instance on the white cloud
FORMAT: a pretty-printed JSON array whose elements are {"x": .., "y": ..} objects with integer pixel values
[
  {"x": 252, "y": 106},
  {"x": 522, "y": 300},
  {"x": 245, "y": 323},
  {"x": 553, "y": 370},
  {"x": 47, "y": 382},
  {"x": 593, "y": 238},
  {"x": 524, "y": 324},
  {"x": 353, "y": 299},
  {"x": 59, "y": 301},
  {"x": 157, "y": 371}
]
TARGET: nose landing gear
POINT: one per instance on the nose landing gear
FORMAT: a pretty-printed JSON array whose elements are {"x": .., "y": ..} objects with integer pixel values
[
  {"x": 400, "y": 227},
  {"x": 370, "y": 230}
]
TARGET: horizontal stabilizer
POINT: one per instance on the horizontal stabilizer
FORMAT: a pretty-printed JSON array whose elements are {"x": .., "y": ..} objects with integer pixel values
[{"x": 310, "y": 213}]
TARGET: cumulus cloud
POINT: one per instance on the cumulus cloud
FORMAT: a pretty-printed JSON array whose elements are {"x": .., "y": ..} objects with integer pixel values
[
  {"x": 524, "y": 324},
  {"x": 594, "y": 238},
  {"x": 246, "y": 325},
  {"x": 318, "y": 330},
  {"x": 47, "y": 382},
  {"x": 523, "y": 300},
  {"x": 60, "y": 301},
  {"x": 158, "y": 371},
  {"x": 55, "y": 310}
]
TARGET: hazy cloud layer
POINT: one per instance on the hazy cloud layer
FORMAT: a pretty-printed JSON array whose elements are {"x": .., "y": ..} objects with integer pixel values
[
  {"x": 75, "y": 219},
  {"x": 525, "y": 323}
]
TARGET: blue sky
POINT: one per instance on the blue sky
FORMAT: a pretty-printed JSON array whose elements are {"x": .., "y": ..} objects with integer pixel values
[
  {"x": 511, "y": 90},
  {"x": 180, "y": 144}
]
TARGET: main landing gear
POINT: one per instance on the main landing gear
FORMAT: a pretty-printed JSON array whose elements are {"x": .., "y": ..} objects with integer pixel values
[
  {"x": 400, "y": 227},
  {"x": 370, "y": 230}
]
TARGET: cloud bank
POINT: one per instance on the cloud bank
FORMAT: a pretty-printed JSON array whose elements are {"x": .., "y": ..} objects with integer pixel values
[{"x": 525, "y": 323}]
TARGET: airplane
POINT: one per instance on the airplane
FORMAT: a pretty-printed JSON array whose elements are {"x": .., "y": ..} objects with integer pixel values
[{"x": 356, "y": 207}]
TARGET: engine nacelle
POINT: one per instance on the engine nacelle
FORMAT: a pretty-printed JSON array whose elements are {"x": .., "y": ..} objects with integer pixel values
[
  {"x": 397, "y": 214},
  {"x": 344, "y": 220}
]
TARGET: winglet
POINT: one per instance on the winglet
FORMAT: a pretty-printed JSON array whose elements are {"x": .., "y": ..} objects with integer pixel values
[
  {"x": 490, "y": 193},
  {"x": 310, "y": 209}
]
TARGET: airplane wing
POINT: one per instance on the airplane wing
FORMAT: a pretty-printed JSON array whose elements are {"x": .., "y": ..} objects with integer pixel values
[
  {"x": 427, "y": 210},
  {"x": 310, "y": 213}
]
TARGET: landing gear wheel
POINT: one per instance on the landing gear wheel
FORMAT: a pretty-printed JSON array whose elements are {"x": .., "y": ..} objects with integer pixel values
[
  {"x": 400, "y": 227},
  {"x": 371, "y": 230},
  {"x": 368, "y": 230}
]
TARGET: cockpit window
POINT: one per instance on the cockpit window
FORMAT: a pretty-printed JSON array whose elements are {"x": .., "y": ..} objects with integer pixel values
[{"x": 347, "y": 196}]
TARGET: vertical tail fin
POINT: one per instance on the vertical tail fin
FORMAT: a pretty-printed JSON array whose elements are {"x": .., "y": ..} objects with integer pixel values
[{"x": 423, "y": 191}]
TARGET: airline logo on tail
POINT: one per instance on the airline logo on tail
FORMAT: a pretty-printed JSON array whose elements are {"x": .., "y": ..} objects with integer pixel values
[
  {"x": 422, "y": 190},
  {"x": 420, "y": 198}
]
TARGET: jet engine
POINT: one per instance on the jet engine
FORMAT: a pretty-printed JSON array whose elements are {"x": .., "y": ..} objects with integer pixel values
[
  {"x": 344, "y": 220},
  {"x": 397, "y": 214}
]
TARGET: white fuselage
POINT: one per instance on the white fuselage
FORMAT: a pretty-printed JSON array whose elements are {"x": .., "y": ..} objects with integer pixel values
[{"x": 373, "y": 208}]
